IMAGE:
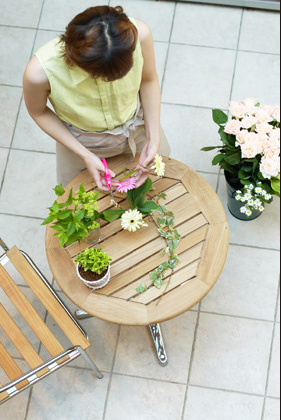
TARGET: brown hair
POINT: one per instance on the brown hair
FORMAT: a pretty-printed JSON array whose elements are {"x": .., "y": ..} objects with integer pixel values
[{"x": 101, "y": 40}]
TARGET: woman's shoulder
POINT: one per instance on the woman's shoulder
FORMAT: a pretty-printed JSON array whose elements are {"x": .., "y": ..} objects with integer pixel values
[{"x": 144, "y": 30}]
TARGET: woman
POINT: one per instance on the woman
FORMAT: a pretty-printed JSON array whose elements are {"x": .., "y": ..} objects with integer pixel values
[{"x": 95, "y": 76}]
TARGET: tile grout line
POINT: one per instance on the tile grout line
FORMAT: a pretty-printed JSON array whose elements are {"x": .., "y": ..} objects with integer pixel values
[
  {"x": 168, "y": 49},
  {"x": 46, "y": 313},
  {"x": 270, "y": 354},
  {"x": 236, "y": 55},
  {"x": 191, "y": 362},
  {"x": 111, "y": 374}
]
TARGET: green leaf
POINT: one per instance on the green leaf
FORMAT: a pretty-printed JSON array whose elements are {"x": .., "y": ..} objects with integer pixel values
[
  {"x": 219, "y": 116},
  {"x": 49, "y": 219},
  {"x": 64, "y": 214},
  {"x": 233, "y": 159},
  {"x": 162, "y": 195},
  {"x": 227, "y": 167},
  {"x": 59, "y": 190},
  {"x": 260, "y": 176},
  {"x": 176, "y": 235},
  {"x": 245, "y": 181},
  {"x": 275, "y": 185},
  {"x": 141, "y": 288},
  {"x": 158, "y": 283},
  {"x": 70, "y": 199},
  {"x": 148, "y": 207},
  {"x": 247, "y": 167},
  {"x": 113, "y": 214},
  {"x": 208, "y": 148},
  {"x": 55, "y": 207},
  {"x": 217, "y": 159}
]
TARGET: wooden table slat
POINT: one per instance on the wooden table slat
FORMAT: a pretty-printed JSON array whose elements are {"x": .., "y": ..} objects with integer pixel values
[{"x": 150, "y": 264}]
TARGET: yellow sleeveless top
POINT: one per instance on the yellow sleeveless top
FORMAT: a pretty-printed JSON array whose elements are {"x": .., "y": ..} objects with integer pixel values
[{"x": 87, "y": 103}]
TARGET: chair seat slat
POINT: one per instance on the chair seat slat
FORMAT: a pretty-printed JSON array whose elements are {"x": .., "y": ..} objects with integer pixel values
[
  {"x": 47, "y": 298},
  {"x": 19, "y": 339},
  {"x": 8, "y": 364},
  {"x": 29, "y": 314}
]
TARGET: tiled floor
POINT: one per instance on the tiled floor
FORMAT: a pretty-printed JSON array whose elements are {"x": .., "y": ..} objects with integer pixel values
[{"x": 224, "y": 354}]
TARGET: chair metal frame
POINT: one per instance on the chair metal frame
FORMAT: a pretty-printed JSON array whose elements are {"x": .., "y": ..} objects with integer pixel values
[{"x": 52, "y": 364}]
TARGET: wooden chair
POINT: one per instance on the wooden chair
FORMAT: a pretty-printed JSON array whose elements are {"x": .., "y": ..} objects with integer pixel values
[{"x": 50, "y": 300}]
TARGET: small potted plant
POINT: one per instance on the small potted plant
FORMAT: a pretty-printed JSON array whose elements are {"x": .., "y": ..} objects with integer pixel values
[
  {"x": 76, "y": 218},
  {"x": 93, "y": 267},
  {"x": 249, "y": 155}
]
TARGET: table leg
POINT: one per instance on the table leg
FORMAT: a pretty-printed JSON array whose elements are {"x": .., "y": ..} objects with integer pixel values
[
  {"x": 156, "y": 333},
  {"x": 80, "y": 314}
]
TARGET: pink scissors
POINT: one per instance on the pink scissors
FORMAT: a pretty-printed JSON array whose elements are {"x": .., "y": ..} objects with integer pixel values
[
  {"x": 108, "y": 180},
  {"x": 106, "y": 174}
]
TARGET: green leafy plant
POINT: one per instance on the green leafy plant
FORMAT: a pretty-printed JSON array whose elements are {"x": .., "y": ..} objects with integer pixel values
[
  {"x": 93, "y": 259},
  {"x": 250, "y": 152},
  {"x": 73, "y": 224}
]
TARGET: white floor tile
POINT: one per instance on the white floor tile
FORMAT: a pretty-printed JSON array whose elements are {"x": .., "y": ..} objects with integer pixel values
[
  {"x": 28, "y": 136},
  {"x": 247, "y": 286},
  {"x": 42, "y": 37},
  {"x": 266, "y": 29},
  {"x": 20, "y": 12},
  {"x": 188, "y": 129},
  {"x": 29, "y": 180},
  {"x": 262, "y": 232},
  {"x": 231, "y": 354},
  {"x": 136, "y": 354},
  {"x": 57, "y": 14},
  {"x": 221, "y": 405},
  {"x": 10, "y": 96},
  {"x": 211, "y": 26},
  {"x": 142, "y": 399},
  {"x": 272, "y": 409},
  {"x": 198, "y": 76},
  {"x": 257, "y": 75},
  {"x": 161, "y": 49},
  {"x": 15, "y": 57},
  {"x": 274, "y": 373},
  {"x": 158, "y": 15},
  {"x": 69, "y": 393}
]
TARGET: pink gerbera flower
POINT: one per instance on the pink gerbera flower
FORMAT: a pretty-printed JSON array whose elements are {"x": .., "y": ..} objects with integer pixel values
[{"x": 126, "y": 185}]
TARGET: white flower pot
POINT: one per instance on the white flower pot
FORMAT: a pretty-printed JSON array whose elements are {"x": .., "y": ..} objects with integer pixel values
[{"x": 98, "y": 284}]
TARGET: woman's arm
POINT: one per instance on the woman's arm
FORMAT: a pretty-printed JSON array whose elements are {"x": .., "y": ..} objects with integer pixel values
[
  {"x": 150, "y": 98},
  {"x": 36, "y": 88}
]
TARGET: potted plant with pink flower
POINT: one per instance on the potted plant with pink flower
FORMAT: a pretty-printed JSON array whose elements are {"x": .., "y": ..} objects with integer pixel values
[{"x": 249, "y": 155}]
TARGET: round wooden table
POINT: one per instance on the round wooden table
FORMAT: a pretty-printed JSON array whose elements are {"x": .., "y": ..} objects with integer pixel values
[{"x": 199, "y": 218}]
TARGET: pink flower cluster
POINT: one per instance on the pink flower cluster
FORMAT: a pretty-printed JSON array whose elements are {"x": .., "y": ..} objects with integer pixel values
[{"x": 251, "y": 124}]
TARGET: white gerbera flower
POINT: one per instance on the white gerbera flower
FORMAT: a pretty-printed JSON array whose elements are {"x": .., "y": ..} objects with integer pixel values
[
  {"x": 158, "y": 165},
  {"x": 131, "y": 220}
]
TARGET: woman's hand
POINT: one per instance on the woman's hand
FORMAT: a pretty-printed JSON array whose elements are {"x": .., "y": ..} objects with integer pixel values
[
  {"x": 96, "y": 170},
  {"x": 146, "y": 159}
]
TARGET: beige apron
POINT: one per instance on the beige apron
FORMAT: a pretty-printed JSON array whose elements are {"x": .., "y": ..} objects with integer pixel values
[{"x": 127, "y": 138}]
